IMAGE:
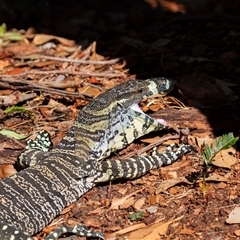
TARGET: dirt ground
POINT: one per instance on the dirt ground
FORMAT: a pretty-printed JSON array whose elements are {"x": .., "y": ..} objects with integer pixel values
[{"x": 193, "y": 42}]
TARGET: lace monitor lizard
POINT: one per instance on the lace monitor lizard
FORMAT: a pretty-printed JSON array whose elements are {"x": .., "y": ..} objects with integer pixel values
[{"x": 32, "y": 198}]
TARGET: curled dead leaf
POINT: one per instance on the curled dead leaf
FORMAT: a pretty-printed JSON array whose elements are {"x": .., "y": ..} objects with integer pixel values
[
  {"x": 153, "y": 231},
  {"x": 164, "y": 185},
  {"x": 40, "y": 39}
]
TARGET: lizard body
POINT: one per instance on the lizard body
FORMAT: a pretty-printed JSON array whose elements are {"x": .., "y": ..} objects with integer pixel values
[{"x": 32, "y": 198}]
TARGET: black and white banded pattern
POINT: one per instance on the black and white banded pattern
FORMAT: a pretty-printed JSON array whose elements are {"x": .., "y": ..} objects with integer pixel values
[
  {"x": 31, "y": 199},
  {"x": 137, "y": 166}
]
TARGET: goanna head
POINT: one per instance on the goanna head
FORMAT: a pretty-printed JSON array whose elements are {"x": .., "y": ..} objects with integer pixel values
[
  {"x": 132, "y": 92},
  {"x": 115, "y": 119}
]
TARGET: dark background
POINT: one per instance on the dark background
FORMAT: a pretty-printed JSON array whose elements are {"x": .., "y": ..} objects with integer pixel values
[
  {"x": 107, "y": 21},
  {"x": 136, "y": 31}
]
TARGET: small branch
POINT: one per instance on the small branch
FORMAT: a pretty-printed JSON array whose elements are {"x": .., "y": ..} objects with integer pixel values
[
  {"x": 19, "y": 84},
  {"x": 81, "y": 61},
  {"x": 37, "y": 72},
  {"x": 150, "y": 146},
  {"x": 15, "y": 97}
]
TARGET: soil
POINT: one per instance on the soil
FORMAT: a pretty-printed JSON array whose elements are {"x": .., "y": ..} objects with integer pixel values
[{"x": 195, "y": 43}]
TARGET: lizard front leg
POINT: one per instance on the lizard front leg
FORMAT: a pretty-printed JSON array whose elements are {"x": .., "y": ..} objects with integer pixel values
[{"x": 137, "y": 166}]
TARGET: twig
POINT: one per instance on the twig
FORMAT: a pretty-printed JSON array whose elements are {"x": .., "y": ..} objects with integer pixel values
[
  {"x": 22, "y": 123},
  {"x": 150, "y": 146},
  {"x": 102, "y": 74},
  {"x": 15, "y": 98},
  {"x": 34, "y": 86},
  {"x": 81, "y": 61}
]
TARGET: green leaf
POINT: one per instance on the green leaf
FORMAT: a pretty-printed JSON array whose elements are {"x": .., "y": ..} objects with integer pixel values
[
  {"x": 13, "y": 36},
  {"x": 8, "y": 35},
  {"x": 135, "y": 216},
  {"x": 3, "y": 29},
  {"x": 13, "y": 109},
  {"x": 226, "y": 141},
  {"x": 221, "y": 143},
  {"x": 12, "y": 134}
]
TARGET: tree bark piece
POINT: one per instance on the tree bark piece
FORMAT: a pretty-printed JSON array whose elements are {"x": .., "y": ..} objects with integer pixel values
[{"x": 226, "y": 118}]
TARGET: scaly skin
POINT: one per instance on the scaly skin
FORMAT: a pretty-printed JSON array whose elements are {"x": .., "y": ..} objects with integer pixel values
[{"x": 32, "y": 198}]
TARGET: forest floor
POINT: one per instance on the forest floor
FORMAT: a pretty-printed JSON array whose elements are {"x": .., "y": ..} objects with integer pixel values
[{"x": 46, "y": 79}]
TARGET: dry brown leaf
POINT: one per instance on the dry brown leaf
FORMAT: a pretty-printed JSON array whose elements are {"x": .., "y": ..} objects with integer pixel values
[
  {"x": 94, "y": 80},
  {"x": 172, "y": 174},
  {"x": 81, "y": 102},
  {"x": 153, "y": 199},
  {"x": 97, "y": 210},
  {"x": 23, "y": 49},
  {"x": 234, "y": 216},
  {"x": 46, "y": 112},
  {"x": 128, "y": 203},
  {"x": 92, "y": 222},
  {"x": 237, "y": 233},
  {"x": 216, "y": 178},
  {"x": 105, "y": 202},
  {"x": 67, "y": 209},
  {"x": 64, "y": 50},
  {"x": 225, "y": 158},
  {"x": 139, "y": 203},
  {"x": 108, "y": 84},
  {"x": 202, "y": 141},
  {"x": 164, "y": 185},
  {"x": 123, "y": 190},
  {"x": 116, "y": 202},
  {"x": 129, "y": 229},
  {"x": 5, "y": 92},
  {"x": 4, "y": 63},
  {"x": 40, "y": 39},
  {"x": 145, "y": 108},
  {"x": 7, "y": 170},
  {"x": 155, "y": 107},
  {"x": 96, "y": 57},
  {"x": 112, "y": 229},
  {"x": 94, "y": 92},
  {"x": 51, "y": 107},
  {"x": 173, "y": 6},
  {"x": 152, "y": 232},
  {"x": 151, "y": 140},
  {"x": 187, "y": 231},
  {"x": 17, "y": 70}
]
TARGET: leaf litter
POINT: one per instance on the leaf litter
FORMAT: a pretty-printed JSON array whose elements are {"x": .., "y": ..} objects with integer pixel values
[{"x": 69, "y": 76}]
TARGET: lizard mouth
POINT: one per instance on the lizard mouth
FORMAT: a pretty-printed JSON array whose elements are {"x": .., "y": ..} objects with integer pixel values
[{"x": 135, "y": 107}]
